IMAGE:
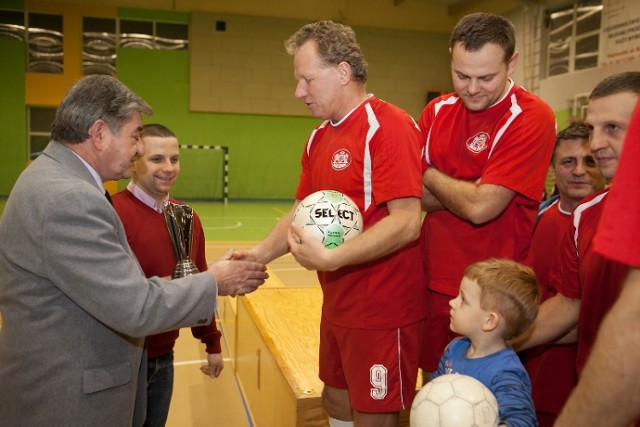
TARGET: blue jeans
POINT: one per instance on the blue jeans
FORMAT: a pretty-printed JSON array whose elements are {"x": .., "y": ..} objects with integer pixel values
[{"x": 159, "y": 389}]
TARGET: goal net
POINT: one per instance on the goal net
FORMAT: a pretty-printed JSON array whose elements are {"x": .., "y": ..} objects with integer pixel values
[{"x": 204, "y": 173}]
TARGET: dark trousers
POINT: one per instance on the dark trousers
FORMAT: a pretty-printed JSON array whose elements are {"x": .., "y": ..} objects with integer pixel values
[{"x": 159, "y": 389}]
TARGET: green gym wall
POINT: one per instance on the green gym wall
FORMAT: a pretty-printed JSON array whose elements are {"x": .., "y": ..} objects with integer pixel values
[{"x": 264, "y": 151}]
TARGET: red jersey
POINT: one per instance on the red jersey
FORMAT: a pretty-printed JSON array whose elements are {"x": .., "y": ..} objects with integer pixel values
[
  {"x": 508, "y": 144},
  {"x": 550, "y": 367},
  {"x": 585, "y": 275},
  {"x": 148, "y": 237},
  {"x": 546, "y": 243},
  {"x": 619, "y": 231},
  {"x": 373, "y": 156}
]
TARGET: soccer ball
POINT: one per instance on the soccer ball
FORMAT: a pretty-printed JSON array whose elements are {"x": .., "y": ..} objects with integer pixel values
[
  {"x": 454, "y": 400},
  {"x": 331, "y": 216}
]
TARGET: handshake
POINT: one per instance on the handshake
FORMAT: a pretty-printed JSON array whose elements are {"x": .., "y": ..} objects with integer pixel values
[{"x": 237, "y": 274}]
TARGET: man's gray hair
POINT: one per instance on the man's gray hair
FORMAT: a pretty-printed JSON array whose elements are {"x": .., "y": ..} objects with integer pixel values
[
  {"x": 93, "y": 98},
  {"x": 335, "y": 43}
]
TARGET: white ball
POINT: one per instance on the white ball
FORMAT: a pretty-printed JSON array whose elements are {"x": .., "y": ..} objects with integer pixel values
[
  {"x": 454, "y": 400},
  {"x": 332, "y": 217}
]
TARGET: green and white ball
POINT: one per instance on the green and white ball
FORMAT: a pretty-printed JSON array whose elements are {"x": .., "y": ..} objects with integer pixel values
[{"x": 331, "y": 216}]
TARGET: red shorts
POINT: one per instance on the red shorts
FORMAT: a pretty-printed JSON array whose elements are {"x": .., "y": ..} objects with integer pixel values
[
  {"x": 437, "y": 334},
  {"x": 378, "y": 367}
]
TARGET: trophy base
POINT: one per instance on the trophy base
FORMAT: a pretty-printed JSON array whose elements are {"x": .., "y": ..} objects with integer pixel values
[{"x": 184, "y": 268}]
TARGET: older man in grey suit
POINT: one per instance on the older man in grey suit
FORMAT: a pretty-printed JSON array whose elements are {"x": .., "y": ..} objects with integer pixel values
[{"x": 75, "y": 304}]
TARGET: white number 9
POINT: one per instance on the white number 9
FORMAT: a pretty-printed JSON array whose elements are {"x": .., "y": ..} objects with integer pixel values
[{"x": 378, "y": 374}]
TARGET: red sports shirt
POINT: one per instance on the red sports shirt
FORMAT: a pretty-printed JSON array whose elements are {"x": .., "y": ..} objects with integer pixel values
[
  {"x": 508, "y": 144},
  {"x": 373, "y": 156},
  {"x": 550, "y": 367},
  {"x": 585, "y": 275}
]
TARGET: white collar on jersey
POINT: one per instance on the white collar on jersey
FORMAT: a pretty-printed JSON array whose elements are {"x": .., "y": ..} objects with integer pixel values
[
  {"x": 504, "y": 95},
  {"x": 369, "y": 95}
]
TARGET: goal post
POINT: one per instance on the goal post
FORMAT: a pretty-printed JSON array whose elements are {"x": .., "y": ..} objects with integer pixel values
[{"x": 206, "y": 170}]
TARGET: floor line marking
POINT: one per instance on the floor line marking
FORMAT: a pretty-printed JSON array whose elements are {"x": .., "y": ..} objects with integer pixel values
[
  {"x": 238, "y": 224},
  {"x": 198, "y": 362},
  {"x": 280, "y": 211}
]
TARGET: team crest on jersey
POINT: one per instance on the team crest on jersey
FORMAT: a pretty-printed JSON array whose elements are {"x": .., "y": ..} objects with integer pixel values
[
  {"x": 478, "y": 142},
  {"x": 341, "y": 159}
]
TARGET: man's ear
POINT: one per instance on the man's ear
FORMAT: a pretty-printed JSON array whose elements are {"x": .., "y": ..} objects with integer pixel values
[
  {"x": 491, "y": 322},
  {"x": 345, "y": 72},
  {"x": 97, "y": 134},
  {"x": 511, "y": 64}
]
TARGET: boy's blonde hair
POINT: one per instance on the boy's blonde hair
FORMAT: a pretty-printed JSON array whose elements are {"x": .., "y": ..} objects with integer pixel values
[{"x": 508, "y": 288}]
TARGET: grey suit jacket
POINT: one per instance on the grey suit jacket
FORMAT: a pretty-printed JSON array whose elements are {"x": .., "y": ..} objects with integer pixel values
[{"x": 74, "y": 302}]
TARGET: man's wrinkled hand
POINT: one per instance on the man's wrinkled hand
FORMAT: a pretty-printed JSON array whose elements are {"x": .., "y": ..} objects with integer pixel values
[{"x": 237, "y": 277}]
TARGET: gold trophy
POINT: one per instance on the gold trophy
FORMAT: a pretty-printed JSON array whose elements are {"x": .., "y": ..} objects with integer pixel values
[{"x": 179, "y": 219}]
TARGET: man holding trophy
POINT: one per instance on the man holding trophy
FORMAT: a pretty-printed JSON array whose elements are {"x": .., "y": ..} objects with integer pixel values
[
  {"x": 76, "y": 307},
  {"x": 167, "y": 238}
]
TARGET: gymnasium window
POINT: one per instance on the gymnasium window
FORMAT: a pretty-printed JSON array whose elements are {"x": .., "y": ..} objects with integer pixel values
[
  {"x": 44, "y": 39},
  {"x": 154, "y": 35},
  {"x": 573, "y": 37},
  {"x": 101, "y": 37},
  {"x": 40, "y": 119},
  {"x": 172, "y": 36},
  {"x": 136, "y": 34},
  {"x": 42, "y": 33},
  {"x": 12, "y": 25},
  {"x": 99, "y": 46}
]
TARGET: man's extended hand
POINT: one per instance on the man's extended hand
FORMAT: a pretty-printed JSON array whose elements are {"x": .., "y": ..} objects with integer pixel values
[{"x": 237, "y": 277}]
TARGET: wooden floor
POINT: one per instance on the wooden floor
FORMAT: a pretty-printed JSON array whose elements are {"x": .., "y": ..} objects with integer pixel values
[{"x": 199, "y": 400}]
